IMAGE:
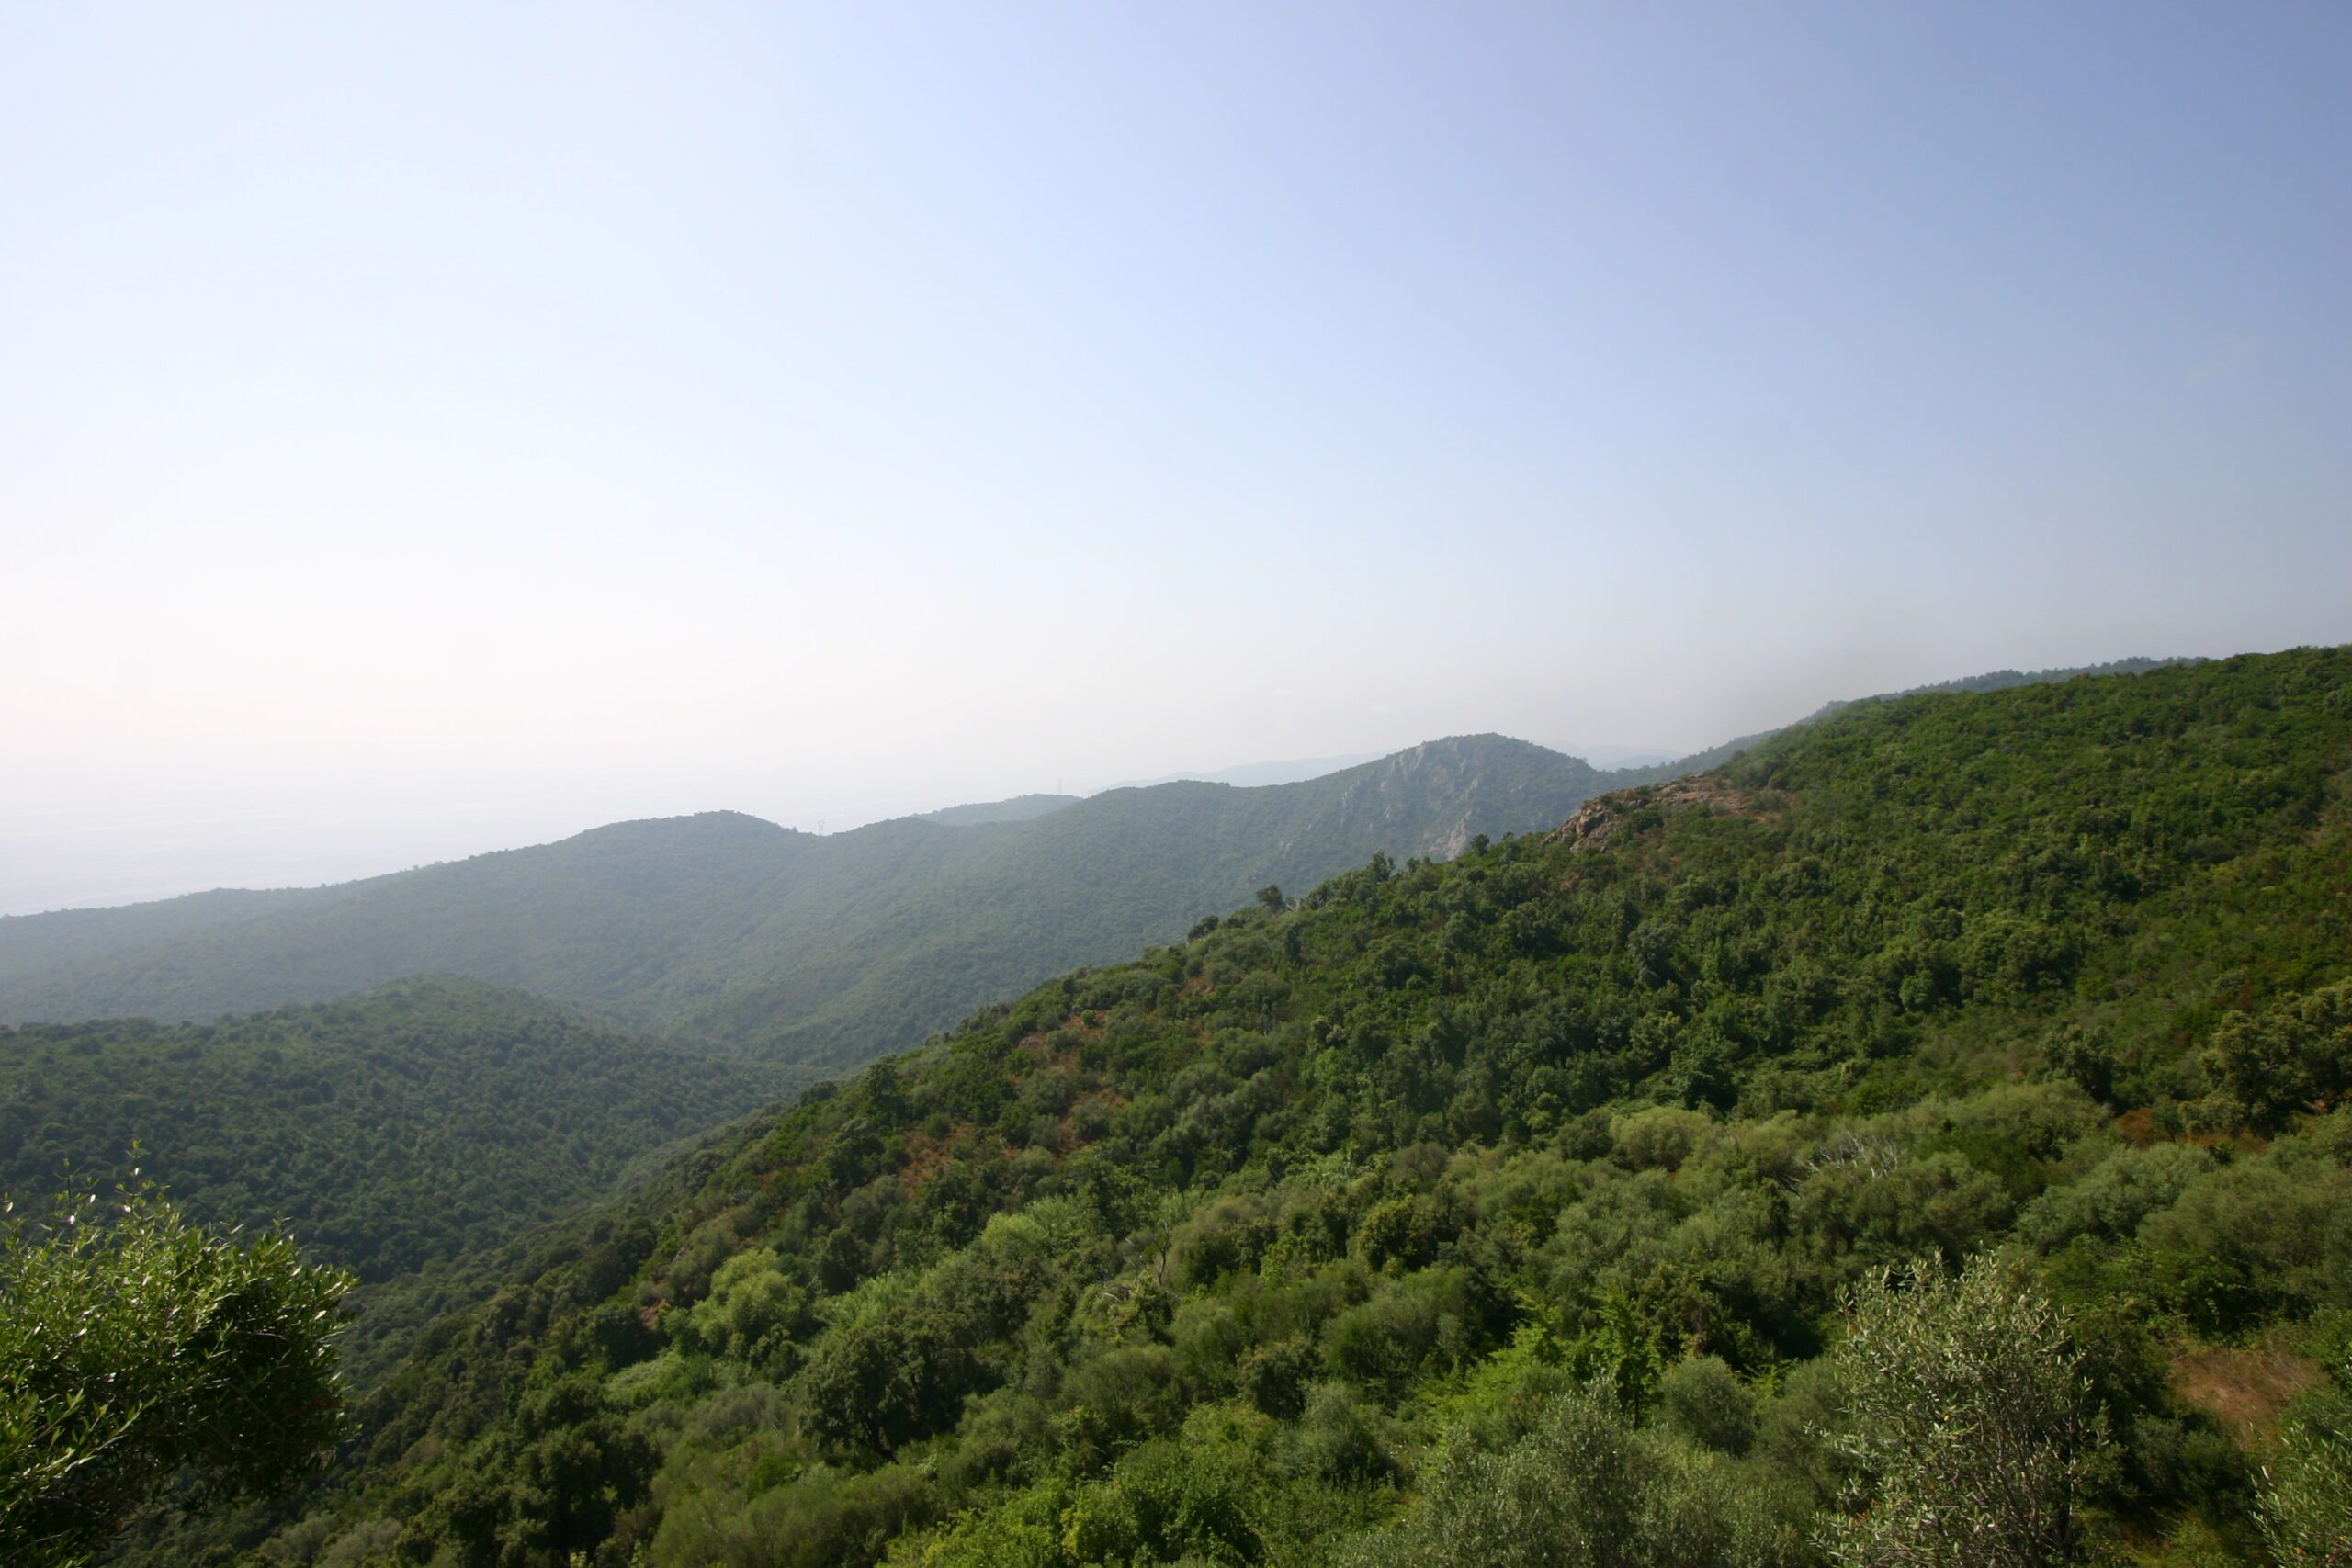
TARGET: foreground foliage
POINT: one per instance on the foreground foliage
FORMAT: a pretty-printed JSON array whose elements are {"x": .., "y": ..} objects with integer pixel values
[
  {"x": 1558, "y": 1195},
  {"x": 1588, "y": 1485},
  {"x": 2306, "y": 1508},
  {"x": 1973, "y": 1433},
  {"x": 138, "y": 1352}
]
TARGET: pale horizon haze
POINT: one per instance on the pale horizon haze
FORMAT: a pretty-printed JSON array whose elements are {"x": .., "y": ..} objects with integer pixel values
[{"x": 430, "y": 429}]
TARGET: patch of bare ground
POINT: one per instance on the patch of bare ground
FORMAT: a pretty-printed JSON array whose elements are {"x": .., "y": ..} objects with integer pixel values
[
  {"x": 927, "y": 1156},
  {"x": 2140, "y": 1128},
  {"x": 2245, "y": 1389}
]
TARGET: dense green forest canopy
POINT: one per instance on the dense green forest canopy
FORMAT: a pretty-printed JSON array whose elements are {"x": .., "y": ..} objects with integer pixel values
[
  {"x": 1670, "y": 1188},
  {"x": 391, "y": 1132},
  {"x": 722, "y": 930}
]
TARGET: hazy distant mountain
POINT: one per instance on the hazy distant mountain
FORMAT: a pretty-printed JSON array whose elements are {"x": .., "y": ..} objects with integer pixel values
[
  {"x": 1019, "y": 808},
  {"x": 730, "y": 931},
  {"x": 1620, "y": 756},
  {"x": 1257, "y": 775}
]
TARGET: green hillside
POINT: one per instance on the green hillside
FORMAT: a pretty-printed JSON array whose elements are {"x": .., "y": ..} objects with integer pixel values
[
  {"x": 394, "y": 1132},
  {"x": 722, "y": 929},
  {"x": 1597, "y": 1197}
]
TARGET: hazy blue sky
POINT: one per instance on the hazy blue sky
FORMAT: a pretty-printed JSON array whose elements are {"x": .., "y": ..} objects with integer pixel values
[{"x": 429, "y": 428}]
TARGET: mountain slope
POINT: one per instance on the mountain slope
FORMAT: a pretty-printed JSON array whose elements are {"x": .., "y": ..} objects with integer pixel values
[
  {"x": 851, "y": 974},
  {"x": 587, "y": 921},
  {"x": 725, "y": 929},
  {"x": 1289, "y": 1244}
]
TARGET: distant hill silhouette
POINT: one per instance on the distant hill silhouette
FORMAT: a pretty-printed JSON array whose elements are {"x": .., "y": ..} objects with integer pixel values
[
  {"x": 728, "y": 931},
  {"x": 1255, "y": 776},
  {"x": 1019, "y": 808}
]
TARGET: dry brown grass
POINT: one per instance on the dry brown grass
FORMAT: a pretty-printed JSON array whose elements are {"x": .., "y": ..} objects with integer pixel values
[{"x": 2246, "y": 1390}]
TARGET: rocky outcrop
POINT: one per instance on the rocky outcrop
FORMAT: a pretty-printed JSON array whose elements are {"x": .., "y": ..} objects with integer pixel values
[{"x": 1599, "y": 820}]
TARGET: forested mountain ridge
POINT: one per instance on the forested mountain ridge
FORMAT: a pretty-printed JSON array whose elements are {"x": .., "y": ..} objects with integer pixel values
[
  {"x": 66, "y": 937},
  {"x": 595, "y": 914},
  {"x": 724, "y": 930},
  {"x": 1094, "y": 884},
  {"x": 721, "y": 928},
  {"x": 1481, "y": 1211},
  {"x": 1991, "y": 680}
]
